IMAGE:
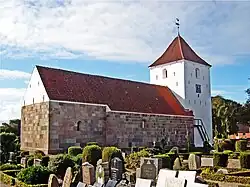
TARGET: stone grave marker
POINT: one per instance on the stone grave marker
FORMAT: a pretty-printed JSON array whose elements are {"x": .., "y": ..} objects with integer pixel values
[
  {"x": 150, "y": 167},
  {"x": 99, "y": 174},
  {"x": 163, "y": 175},
  {"x": 116, "y": 169},
  {"x": 24, "y": 162},
  {"x": 196, "y": 185},
  {"x": 124, "y": 182},
  {"x": 80, "y": 184},
  {"x": 143, "y": 182},
  {"x": 138, "y": 172},
  {"x": 37, "y": 162},
  {"x": 88, "y": 173},
  {"x": 188, "y": 175},
  {"x": 205, "y": 162},
  {"x": 53, "y": 181},
  {"x": 175, "y": 182},
  {"x": 67, "y": 178},
  {"x": 11, "y": 157},
  {"x": 124, "y": 155},
  {"x": 96, "y": 184},
  {"x": 234, "y": 163},
  {"x": 111, "y": 183},
  {"x": 194, "y": 162},
  {"x": 177, "y": 164}
]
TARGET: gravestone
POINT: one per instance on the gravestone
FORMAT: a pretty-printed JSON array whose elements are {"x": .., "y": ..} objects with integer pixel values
[
  {"x": 96, "y": 184},
  {"x": 105, "y": 166},
  {"x": 138, "y": 172},
  {"x": 177, "y": 164},
  {"x": 53, "y": 181},
  {"x": 194, "y": 162},
  {"x": 99, "y": 174},
  {"x": 67, "y": 178},
  {"x": 163, "y": 175},
  {"x": 124, "y": 182},
  {"x": 11, "y": 157},
  {"x": 196, "y": 185},
  {"x": 116, "y": 169},
  {"x": 188, "y": 175},
  {"x": 24, "y": 162},
  {"x": 234, "y": 164},
  {"x": 174, "y": 150},
  {"x": 175, "y": 182},
  {"x": 88, "y": 173},
  {"x": 207, "y": 162},
  {"x": 150, "y": 167},
  {"x": 143, "y": 182},
  {"x": 111, "y": 183},
  {"x": 80, "y": 184},
  {"x": 124, "y": 155},
  {"x": 37, "y": 162}
]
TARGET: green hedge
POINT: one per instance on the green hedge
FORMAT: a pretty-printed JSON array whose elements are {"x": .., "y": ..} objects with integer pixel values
[
  {"x": 245, "y": 160},
  {"x": 91, "y": 143},
  {"x": 133, "y": 159},
  {"x": 222, "y": 145},
  {"x": 110, "y": 152},
  {"x": 74, "y": 150},
  {"x": 166, "y": 161},
  {"x": 220, "y": 159},
  {"x": 91, "y": 154},
  {"x": 9, "y": 167},
  {"x": 30, "y": 161},
  {"x": 241, "y": 145}
]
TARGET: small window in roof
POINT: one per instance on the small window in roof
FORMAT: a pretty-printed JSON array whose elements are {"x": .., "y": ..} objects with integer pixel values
[{"x": 165, "y": 73}]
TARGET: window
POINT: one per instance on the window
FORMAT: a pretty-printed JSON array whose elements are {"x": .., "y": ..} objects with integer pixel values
[
  {"x": 191, "y": 74},
  {"x": 156, "y": 77},
  {"x": 198, "y": 88},
  {"x": 197, "y": 73},
  {"x": 174, "y": 73},
  {"x": 24, "y": 102},
  {"x": 143, "y": 124},
  {"x": 33, "y": 100},
  {"x": 165, "y": 73},
  {"x": 30, "y": 85},
  {"x": 188, "y": 82},
  {"x": 78, "y": 125},
  {"x": 176, "y": 83},
  {"x": 205, "y": 103},
  {"x": 43, "y": 98},
  {"x": 38, "y": 83},
  {"x": 194, "y": 101},
  {"x": 203, "y": 77},
  {"x": 189, "y": 101},
  {"x": 200, "y": 102}
]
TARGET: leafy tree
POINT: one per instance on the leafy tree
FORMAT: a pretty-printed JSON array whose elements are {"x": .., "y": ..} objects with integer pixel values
[{"x": 14, "y": 126}]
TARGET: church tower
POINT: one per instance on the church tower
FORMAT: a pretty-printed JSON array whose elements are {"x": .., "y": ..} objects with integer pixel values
[{"x": 188, "y": 76}]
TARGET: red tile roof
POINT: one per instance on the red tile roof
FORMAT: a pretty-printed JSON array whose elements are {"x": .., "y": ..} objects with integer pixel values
[
  {"x": 119, "y": 95},
  {"x": 178, "y": 50}
]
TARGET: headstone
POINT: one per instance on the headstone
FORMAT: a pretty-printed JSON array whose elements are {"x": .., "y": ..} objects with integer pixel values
[
  {"x": 222, "y": 171},
  {"x": 150, "y": 167},
  {"x": 24, "y": 162},
  {"x": 174, "y": 150},
  {"x": 96, "y": 184},
  {"x": 194, "y": 162},
  {"x": 111, "y": 183},
  {"x": 163, "y": 175},
  {"x": 138, "y": 172},
  {"x": 88, "y": 173},
  {"x": 143, "y": 182},
  {"x": 124, "y": 182},
  {"x": 175, "y": 182},
  {"x": 188, "y": 175},
  {"x": 196, "y": 185},
  {"x": 234, "y": 163},
  {"x": 80, "y": 184},
  {"x": 11, "y": 157},
  {"x": 124, "y": 155},
  {"x": 177, "y": 164},
  {"x": 99, "y": 174},
  {"x": 116, "y": 169},
  {"x": 37, "y": 162},
  {"x": 53, "y": 181},
  {"x": 207, "y": 162},
  {"x": 67, "y": 178},
  {"x": 105, "y": 166}
]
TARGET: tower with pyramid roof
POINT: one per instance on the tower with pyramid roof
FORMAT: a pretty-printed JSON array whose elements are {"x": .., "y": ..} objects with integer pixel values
[{"x": 188, "y": 76}]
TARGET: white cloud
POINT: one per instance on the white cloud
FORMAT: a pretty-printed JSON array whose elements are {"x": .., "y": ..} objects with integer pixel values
[
  {"x": 131, "y": 30},
  {"x": 10, "y": 103},
  {"x": 13, "y": 74}
]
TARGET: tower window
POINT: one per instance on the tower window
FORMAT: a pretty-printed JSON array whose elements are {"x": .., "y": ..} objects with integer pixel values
[
  {"x": 194, "y": 101},
  {"x": 189, "y": 101},
  {"x": 33, "y": 100},
  {"x": 198, "y": 88},
  {"x": 203, "y": 77},
  {"x": 174, "y": 73},
  {"x": 143, "y": 124},
  {"x": 43, "y": 98},
  {"x": 176, "y": 83},
  {"x": 200, "y": 102},
  {"x": 78, "y": 125},
  {"x": 165, "y": 73},
  {"x": 156, "y": 77},
  {"x": 197, "y": 73},
  {"x": 38, "y": 83},
  {"x": 188, "y": 82},
  {"x": 205, "y": 103}
]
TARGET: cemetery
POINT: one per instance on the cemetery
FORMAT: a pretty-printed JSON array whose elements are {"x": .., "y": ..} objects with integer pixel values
[{"x": 227, "y": 164}]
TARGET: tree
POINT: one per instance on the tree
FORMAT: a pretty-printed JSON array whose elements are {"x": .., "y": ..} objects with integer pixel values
[{"x": 14, "y": 126}]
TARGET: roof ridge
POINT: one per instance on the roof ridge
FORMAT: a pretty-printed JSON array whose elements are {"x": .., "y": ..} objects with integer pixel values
[{"x": 180, "y": 46}]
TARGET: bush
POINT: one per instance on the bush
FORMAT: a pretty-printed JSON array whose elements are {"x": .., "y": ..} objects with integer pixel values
[
  {"x": 245, "y": 160},
  {"x": 30, "y": 161},
  {"x": 34, "y": 175},
  {"x": 9, "y": 167},
  {"x": 91, "y": 154},
  {"x": 220, "y": 159},
  {"x": 222, "y": 145},
  {"x": 91, "y": 143},
  {"x": 18, "y": 159},
  {"x": 39, "y": 154},
  {"x": 110, "y": 152},
  {"x": 133, "y": 159},
  {"x": 59, "y": 163},
  {"x": 166, "y": 161},
  {"x": 74, "y": 150},
  {"x": 45, "y": 161},
  {"x": 24, "y": 153},
  {"x": 228, "y": 152},
  {"x": 241, "y": 145},
  {"x": 78, "y": 159}
]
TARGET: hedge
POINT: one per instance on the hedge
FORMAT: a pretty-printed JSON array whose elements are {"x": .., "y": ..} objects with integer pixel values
[
  {"x": 241, "y": 145},
  {"x": 11, "y": 181},
  {"x": 30, "y": 161},
  {"x": 133, "y": 159},
  {"x": 91, "y": 143},
  {"x": 220, "y": 159},
  {"x": 9, "y": 167},
  {"x": 222, "y": 145},
  {"x": 110, "y": 152},
  {"x": 74, "y": 150},
  {"x": 166, "y": 161},
  {"x": 91, "y": 154},
  {"x": 245, "y": 160}
]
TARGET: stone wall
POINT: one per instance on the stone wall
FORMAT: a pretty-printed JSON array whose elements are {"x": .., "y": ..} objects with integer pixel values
[
  {"x": 143, "y": 129},
  {"x": 64, "y": 119},
  {"x": 34, "y": 127}
]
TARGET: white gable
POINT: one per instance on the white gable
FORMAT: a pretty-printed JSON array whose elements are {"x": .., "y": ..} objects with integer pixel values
[{"x": 35, "y": 93}]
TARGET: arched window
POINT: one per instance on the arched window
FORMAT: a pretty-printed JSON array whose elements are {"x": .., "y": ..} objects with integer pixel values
[
  {"x": 78, "y": 125},
  {"x": 197, "y": 73},
  {"x": 165, "y": 73}
]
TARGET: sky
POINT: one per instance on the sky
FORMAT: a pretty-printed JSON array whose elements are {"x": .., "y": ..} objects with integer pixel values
[{"x": 119, "y": 39}]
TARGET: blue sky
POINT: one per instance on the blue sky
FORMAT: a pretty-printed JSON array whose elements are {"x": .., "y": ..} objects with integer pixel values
[{"x": 119, "y": 40}]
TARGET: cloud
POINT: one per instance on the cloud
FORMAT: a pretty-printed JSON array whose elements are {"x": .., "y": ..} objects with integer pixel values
[
  {"x": 10, "y": 103},
  {"x": 13, "y": 74},
  {"x": 117, "y": 30}
]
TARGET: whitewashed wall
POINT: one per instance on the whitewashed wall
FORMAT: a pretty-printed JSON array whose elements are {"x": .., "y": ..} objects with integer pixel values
[{"x": 35, "y": 92}]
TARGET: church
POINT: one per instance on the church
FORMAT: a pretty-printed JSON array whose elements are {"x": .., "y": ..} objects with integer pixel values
[{"x": 63, "y": 108}]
